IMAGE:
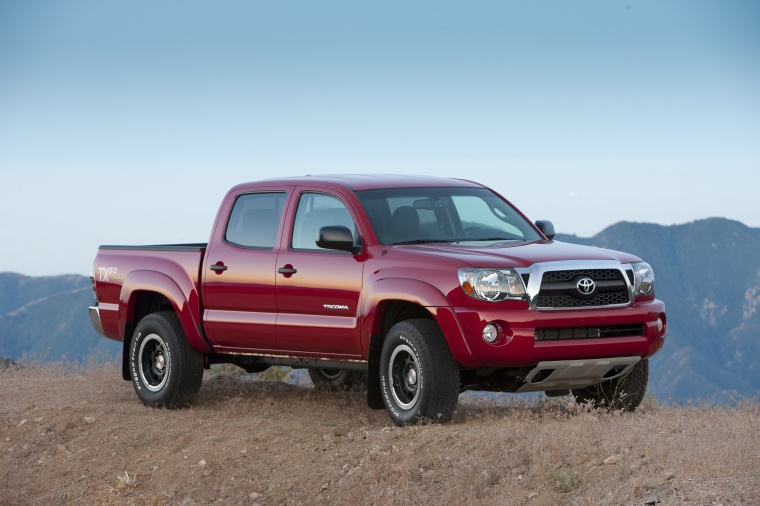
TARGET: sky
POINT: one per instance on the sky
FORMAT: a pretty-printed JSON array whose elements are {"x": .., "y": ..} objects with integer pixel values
[{"x": 127, "y": 122}]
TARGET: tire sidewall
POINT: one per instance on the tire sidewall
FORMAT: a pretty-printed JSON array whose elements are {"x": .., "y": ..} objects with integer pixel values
[
  {"x": 417, "y": 412},
  {"x": 149, "y": 326}
]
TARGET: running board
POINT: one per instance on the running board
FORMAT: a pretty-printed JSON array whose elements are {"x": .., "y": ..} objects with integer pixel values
[{"x": 252, "y": 360}]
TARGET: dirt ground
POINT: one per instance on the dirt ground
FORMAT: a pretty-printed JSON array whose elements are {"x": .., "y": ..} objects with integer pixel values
[{"x": 76, "y": 435}]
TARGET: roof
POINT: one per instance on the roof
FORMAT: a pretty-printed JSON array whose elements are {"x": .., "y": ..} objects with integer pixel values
[{"x": 358, "y": 182}]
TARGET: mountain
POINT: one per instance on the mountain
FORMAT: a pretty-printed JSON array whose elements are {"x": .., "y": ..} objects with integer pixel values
[
  {"x": 708, "y": 274},
  {"x": 46, "y": 318}
]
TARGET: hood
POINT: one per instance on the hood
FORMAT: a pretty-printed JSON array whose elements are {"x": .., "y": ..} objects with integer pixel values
[{"x": 517, "y": 254}]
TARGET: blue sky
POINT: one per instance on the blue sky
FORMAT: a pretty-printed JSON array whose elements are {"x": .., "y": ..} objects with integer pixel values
[{"x": 126, "y": 122}]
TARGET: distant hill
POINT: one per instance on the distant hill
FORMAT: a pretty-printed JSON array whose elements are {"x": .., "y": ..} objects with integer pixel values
[
  {"x": 46, "y": 318},
  {"x": 708, "y": 274}
]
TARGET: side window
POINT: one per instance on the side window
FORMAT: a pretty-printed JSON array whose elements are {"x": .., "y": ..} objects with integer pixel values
[
  {"x": 255, "y": 219},
  {"x": 316, "y": 210}
]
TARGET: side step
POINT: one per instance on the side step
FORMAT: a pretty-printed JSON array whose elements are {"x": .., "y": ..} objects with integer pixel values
[{"x": 569, "y": 374}]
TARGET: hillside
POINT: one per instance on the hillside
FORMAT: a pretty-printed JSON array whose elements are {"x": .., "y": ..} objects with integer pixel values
[
  {"x": 76, "y": 436},
  {"x": 46, "y": 317}
]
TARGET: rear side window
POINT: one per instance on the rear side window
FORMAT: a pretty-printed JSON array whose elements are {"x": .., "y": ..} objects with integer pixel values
[{"x": 255, "y": 220}]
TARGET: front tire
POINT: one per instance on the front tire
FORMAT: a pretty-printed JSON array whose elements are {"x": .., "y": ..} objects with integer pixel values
[
  {"x": 419, "y": 378},
  {"x": 623, "y": 393},
  {"x": 165, "y": 371}
]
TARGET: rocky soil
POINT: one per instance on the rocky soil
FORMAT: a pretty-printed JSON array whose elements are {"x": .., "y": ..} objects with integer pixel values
[{"x": 78, "y": 435}]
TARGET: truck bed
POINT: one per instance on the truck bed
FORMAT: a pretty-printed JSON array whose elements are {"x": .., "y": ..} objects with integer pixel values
[{"x": 122, "y": 272}]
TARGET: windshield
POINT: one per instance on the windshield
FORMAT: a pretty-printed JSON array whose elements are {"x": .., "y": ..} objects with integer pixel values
[{"x": 424, "y": 215}]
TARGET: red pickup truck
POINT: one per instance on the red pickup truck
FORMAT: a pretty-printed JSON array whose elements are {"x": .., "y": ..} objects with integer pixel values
[{"x": 428, "y": 286}]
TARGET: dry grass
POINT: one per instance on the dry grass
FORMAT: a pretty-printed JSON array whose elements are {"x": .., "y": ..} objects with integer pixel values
[
  {"x": 67, "y": 431},
  {"x": 124, "y": 482}
]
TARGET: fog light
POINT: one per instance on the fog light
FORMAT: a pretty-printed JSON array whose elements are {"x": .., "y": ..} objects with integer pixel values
[{"x": 491, "y": 332}]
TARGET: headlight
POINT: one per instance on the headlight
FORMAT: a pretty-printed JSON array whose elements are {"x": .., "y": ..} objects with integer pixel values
[
  {"x": 643, "y": 279},
  {"x": 492, "y": 284}
]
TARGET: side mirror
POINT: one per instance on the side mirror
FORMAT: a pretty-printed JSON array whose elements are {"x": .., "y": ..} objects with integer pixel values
[
  {"x": 337, "y": 238},
  {"x": 546, "y": 227}
]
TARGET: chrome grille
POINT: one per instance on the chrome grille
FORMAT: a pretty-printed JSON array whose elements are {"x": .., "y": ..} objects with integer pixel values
[{"x": 559, "y": 290}]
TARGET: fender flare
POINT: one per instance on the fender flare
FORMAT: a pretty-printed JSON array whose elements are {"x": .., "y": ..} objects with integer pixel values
[
  {"x": 184, "y": 300},
  {"x": 425, "y": 295}
]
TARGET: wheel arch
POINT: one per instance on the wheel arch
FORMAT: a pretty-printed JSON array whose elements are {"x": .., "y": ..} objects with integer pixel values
[
  {"x": 141, "y": 304},
  {"x": 144, "y": 292},
  {"x": 392, "y": 300}
]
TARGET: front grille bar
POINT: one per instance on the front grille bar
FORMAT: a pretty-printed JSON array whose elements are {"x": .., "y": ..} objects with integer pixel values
[{"x": 569, "y": 333}]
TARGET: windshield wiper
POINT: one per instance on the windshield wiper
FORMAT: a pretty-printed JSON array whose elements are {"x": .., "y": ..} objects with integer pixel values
[
  {"x": 488, "y": 239},
  {"x": 419, "y": 241}
]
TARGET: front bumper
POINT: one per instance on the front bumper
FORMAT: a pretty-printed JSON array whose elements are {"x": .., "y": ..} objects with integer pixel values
[{"x": 518, "y": 347}]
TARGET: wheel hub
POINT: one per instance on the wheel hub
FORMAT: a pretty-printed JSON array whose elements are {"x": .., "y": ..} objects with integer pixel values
[
  {"x": 411, "y": 377},
  {"x": 159, "y": 362}
]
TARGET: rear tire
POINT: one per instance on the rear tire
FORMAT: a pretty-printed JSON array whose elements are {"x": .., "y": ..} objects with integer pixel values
[
  {"x": 623, "y": 393},
  {"x": 334, "y": 380},
  {"x": 419, "y": 378},
  {"x": 165, "y": 371}
]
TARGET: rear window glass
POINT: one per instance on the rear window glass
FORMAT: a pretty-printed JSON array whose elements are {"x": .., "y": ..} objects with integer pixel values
[{"x": 255, "y": 220}]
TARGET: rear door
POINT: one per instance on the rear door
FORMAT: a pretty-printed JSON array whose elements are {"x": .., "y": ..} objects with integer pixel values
[
  {"x": 318, "y": 290},
  {"x": 239, "y": 271}
]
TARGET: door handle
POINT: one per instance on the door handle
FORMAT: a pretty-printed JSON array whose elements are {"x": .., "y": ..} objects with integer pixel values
[
  {"x": 286, "y": 270},
  {"x": 218, "y": 268}
]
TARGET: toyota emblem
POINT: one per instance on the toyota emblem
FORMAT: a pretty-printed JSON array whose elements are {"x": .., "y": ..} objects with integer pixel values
[{"x": 586, "y": 286}]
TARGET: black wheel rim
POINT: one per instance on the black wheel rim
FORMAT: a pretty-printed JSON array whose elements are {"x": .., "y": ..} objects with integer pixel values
[
  {"x": 403, "y": 371},
  {"x": 153, "y": 362}
]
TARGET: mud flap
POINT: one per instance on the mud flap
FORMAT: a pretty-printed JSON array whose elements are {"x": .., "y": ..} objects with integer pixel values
[
  {"x": 128, "y": 331},
  {"x": 374, "y": 393}
]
